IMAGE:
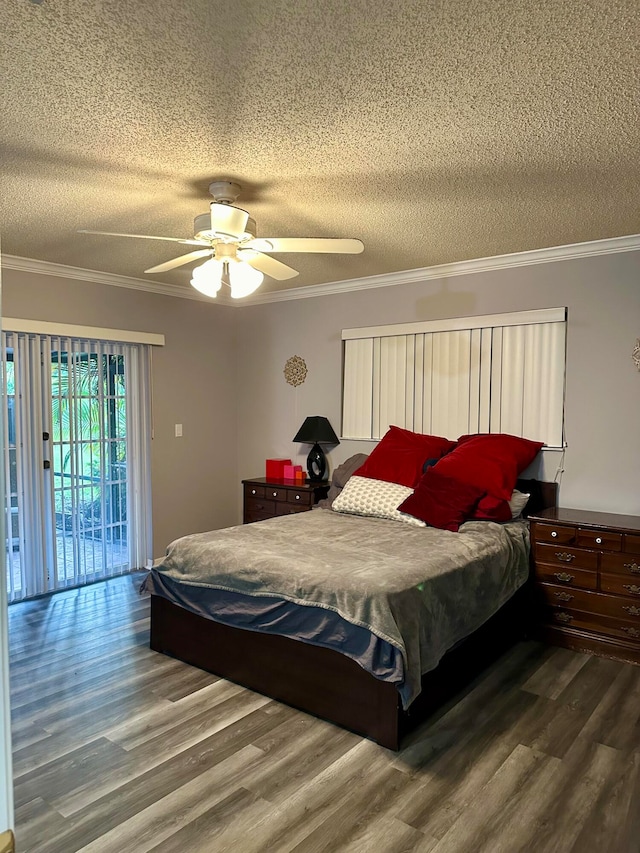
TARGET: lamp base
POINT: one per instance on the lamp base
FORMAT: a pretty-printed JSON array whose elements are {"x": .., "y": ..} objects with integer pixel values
[{"x": 317, "y": 464}]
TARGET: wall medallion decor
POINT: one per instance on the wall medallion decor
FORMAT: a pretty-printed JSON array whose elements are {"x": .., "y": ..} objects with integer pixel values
[
  {"x": 635, "y": 355},
  {"x": 295, "y": 370}
]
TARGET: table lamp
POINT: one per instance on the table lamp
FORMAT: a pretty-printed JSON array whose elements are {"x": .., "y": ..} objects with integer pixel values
[{"x": 314, "y": 430}]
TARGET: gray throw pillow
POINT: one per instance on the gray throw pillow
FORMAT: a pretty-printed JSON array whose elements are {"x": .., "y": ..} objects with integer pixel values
[{"x": 341, "y": 476}]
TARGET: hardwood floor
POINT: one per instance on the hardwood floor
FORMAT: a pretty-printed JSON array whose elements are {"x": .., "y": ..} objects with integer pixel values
[{"x": 118, "y": 748}]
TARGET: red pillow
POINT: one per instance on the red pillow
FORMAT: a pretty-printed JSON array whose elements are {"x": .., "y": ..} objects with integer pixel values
[
  {"x": 492, "y": 509},
  {"x": 441, "y": 501},
  {"x": 400, "y": 454},
  {"x": 489, "y": 461}
]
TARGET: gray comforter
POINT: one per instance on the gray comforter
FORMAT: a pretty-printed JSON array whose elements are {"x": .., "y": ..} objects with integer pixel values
[{"x": 420, "y": 589}]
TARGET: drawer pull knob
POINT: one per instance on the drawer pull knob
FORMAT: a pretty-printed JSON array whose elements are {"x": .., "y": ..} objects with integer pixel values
[
  {"x": 632, "y": 632},
  {"x": 566, "y": 596},
  {"x": 634, "y": 611},
  {"x": 564, "y": 577},
  {"x": 563, "y": 617},
  {"x": 297, "y": 497},
  {"x": 598, "y": 540},
  {"x": 633, "y": 589},
  {"x": 553, "y": 534},
  {"x": 253, "y": 491},
  {"x": 565, "y": 556},
  {"x": 633, "y": 567},
  {"x": 275, "y": 494}
]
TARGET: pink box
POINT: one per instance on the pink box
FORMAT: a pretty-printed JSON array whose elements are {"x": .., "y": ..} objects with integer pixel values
[
  {"x": 289, "y": 472},
  {"x": 275, "y": 468}
]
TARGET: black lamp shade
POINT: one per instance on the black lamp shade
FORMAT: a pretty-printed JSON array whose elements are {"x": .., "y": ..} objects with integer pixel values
[{"x": 314, "y": 430}]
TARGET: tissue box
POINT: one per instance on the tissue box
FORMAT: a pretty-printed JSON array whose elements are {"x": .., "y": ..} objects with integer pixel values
[{"x": 275, "y": 468}]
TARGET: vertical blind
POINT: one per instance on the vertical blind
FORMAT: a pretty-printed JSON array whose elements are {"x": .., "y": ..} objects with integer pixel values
[
  {"x": 78, "y": 417},
  {"x": 494, "y": 373}
]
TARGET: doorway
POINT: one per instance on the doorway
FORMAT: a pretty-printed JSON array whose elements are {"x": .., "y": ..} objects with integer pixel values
[{"x": 75, "y": 416}]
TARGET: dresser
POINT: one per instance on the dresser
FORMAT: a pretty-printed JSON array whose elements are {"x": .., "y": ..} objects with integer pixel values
[
  {"x": 587, "y": 580},
  {"x": 265, "y": 498}
]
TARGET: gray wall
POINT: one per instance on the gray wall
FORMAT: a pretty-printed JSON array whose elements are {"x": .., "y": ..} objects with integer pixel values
[
  {"x": 194, "y": 478},
  {"x": 602, "y": 460},
  {"x": 221, "y": 375}
]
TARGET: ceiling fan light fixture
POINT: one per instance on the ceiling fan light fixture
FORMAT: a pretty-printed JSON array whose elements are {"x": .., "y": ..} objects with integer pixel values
[
  {"x": 207, "y": 278},
  {"x": 244, "y": 280},
  {"x": 228, "y": 221}
]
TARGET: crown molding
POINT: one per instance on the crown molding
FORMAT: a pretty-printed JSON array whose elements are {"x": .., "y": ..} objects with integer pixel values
[
  {"x": 37, "y": 267},
  {"x": 572, "y": 251}
]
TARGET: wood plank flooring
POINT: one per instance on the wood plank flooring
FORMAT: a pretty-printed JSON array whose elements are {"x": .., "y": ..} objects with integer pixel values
[{"x": 118, "y": 748}]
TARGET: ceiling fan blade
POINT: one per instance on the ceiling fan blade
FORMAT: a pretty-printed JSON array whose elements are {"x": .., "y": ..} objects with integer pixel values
[
  {"x": 269, "y": 266},
  {"x": 145, "y": 237},
  {"x": 306, "y": 244},
  {"x": 178, "y": 262}
]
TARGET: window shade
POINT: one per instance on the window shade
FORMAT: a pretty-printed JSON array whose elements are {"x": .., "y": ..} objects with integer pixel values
[{"x": 495, "y": 373}]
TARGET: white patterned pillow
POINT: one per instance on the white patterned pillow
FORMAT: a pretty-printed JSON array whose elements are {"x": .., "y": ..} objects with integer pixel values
[{"x": 377, "y": 498}]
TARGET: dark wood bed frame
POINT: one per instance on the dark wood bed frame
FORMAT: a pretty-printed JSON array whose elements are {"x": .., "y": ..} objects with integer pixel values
[{"x": 326, "y": 683}]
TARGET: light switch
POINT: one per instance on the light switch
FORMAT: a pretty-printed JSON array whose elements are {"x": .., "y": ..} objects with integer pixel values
[{"x": 178, "y": 430}]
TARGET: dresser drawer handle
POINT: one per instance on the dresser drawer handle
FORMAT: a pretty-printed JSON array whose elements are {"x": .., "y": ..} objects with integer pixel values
[
  {"x": 632, "y": 632},
  {"x": 633, "y": 589},
  {"x": 565, "y": 557},
  {"x": 297, "y": 497},
  {"x": 598, "y": 540},
  {"x": 563, "y": 617},
  {"x": 633, "y": 567},
  {"x": 631, "y": 609},
  {"x": 553, "y": 534},
  {"x": 565, "y": 596},
  {"x": 275, "y": 494},
  {"x": 253, "y": 491},
  {"x": 563, "y": 576}
]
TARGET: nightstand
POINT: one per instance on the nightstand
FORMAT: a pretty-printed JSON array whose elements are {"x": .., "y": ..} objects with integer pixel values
[
  {"x": 587, "y": 580},
  {"x": 267, "y": 498}
]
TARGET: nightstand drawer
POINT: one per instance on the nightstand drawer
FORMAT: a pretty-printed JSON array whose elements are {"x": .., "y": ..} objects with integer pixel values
[
  {"x": 258, "y": 506},
  {"x": 299, "y": 498},
  {"x": 625, "y": 564},
  {"x": 601, "y": 539},
  {"x": 555, "y": 555},
  {"x": 567, "y": 576},
  {"x": 253, "y": 491},
  {"x": 290, "y": 509},
  {"x": 558, "y": 534}
]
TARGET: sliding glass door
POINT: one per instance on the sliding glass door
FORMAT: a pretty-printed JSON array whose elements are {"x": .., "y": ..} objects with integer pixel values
[{"x": 76, "y": 461}]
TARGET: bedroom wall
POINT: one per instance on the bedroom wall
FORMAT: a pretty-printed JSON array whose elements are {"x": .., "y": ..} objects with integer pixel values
[
  {"x": 602, "y": 293},
  {"x": 194, "y": 478}
]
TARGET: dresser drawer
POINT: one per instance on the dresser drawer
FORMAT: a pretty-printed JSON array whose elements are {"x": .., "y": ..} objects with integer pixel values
[
  {"x": 603, "y": 539},
  {"x": 567, "y": 576},
  {"x": 620, "y": 585},
  {"x": 632, "y": 544},
  {"x": 590, "y": 602},
  {"x": 289, "y": 509},
  {"x": 563, "y": 556},
  {"x": 598, "y": 623},
  {"x": 625, "y": 564},
  {"x": 558, "y": 534}
]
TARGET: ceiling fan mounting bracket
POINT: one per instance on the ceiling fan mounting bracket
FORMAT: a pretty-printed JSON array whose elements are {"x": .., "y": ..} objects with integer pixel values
[{"x": 225, "y": 192}]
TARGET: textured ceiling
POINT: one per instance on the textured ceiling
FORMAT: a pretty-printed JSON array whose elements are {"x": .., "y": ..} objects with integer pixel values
[{"x": 433, "y": 131}]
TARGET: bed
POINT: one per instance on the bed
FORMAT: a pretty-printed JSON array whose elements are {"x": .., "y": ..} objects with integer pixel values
[{"x": 270, "y": 606}]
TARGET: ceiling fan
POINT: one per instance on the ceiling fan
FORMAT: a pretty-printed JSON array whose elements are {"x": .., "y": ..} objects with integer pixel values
[{"x": 236, "y": 256}]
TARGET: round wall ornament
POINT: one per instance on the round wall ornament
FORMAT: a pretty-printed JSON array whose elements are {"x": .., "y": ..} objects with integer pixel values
[
  {"x": 295, "y": 370},
  {"x": 635, "y": 355}
]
